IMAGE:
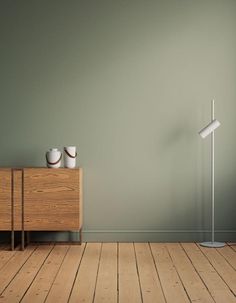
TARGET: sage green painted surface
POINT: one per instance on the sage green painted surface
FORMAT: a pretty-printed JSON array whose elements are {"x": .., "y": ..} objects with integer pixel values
[{"x": 129, "y": 83}]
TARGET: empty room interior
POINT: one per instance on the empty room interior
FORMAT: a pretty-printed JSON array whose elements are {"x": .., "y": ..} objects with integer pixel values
[{"x": 117, "y": 158}]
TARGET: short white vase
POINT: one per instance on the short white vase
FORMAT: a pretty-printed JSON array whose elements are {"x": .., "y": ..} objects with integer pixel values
[
  {"x": 70, "y": 155},
  {"x": 53, "y": 158}
]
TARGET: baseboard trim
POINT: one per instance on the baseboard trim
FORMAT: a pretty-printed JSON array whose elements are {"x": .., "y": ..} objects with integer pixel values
[
  {"x": 143, "y": 235},
  {"x": 157, "y": 231},
  {"x": 158, "y": 235},
  {"x": 101, "y": 235}
]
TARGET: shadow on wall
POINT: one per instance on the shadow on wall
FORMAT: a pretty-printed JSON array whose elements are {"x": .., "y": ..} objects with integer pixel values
[{"x": 188, "y": 192}]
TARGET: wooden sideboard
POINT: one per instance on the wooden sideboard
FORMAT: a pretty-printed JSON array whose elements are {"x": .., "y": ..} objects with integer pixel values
[{"x": 40, "y": 199}]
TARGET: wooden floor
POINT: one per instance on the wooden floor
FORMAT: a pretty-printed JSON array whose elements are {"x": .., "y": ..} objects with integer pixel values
[{"x": 118, "y": 272}]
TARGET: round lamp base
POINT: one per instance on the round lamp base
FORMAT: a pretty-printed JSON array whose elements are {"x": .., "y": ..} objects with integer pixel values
[{"x": 213, "y": 244}]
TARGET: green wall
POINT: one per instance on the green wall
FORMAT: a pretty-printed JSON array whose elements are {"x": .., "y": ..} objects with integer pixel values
[{"x": 129, "y": 83}]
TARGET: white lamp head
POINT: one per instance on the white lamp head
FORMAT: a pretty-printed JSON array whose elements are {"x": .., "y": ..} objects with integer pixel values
[{"x": 207, "y": 130}]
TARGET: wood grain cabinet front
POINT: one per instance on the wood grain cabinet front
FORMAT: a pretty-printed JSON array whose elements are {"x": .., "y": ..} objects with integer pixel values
[
  {"x": 5, "y": 199},
  {"x": 52, "y": 199},
  {"x": 40, "y": 199}
]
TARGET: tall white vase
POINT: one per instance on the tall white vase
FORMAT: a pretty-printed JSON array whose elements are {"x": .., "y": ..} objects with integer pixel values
[
  {"x": 53, "y": 158},
  {"x": 70, "y": 155}
]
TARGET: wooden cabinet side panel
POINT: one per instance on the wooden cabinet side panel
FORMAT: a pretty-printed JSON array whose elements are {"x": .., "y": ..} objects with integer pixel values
[
  {"x": 51, "y": 199},
  {"x": 5, "y": 199},
  {"x": 80, "y": 198}
]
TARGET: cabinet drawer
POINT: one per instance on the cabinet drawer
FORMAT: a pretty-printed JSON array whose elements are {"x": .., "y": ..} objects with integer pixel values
[{"x": 52, "y": 199}]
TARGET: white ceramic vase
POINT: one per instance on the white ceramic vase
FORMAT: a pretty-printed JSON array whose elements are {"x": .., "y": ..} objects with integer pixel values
[
  {"x": 70, "y": 155},
  {"x": 53, "y": 158}
]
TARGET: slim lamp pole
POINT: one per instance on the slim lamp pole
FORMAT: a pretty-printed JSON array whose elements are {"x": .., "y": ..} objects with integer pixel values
[
  {"x": 213, "y": 175},
  {"x": 209, "y": 129}
]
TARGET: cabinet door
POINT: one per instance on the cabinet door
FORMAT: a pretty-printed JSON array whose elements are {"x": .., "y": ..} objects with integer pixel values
[
  {"x": 51, "y": 199},
  {"x": 5, "y": 199}
]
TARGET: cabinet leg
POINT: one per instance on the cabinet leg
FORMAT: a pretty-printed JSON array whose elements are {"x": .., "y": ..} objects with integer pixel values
[{"x": 80, "y": 236}]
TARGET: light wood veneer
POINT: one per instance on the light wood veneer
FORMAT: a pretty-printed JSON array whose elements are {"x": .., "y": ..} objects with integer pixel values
[{"x": 5, "y": 199}]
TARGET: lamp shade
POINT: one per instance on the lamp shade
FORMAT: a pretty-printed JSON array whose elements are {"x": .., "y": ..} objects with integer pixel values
[{"x": 207, "y": 130}]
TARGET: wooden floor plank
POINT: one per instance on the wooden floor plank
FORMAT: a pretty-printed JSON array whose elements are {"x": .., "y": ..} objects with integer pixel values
[
  {"x": 223, "y": 268},
  {"x": 63, "y": 283},
  {"x": 106, "y": 288},
  {"x": 129, "y": 288},
  {"x": 10, "y": 269},
  {"x": 123, "y": 273},
  {"x": 216, "y": 286},
  {"x": 44, "y": 279},
  {"x": 16, "y": 289},
  {"x": 5, "y": 256},
  {"x": 229, "y": 254},
  {"x": 193, "y": 284},
  {"x": 85, "y": 282},
  {"x": 232, "y": 245},
  {"x": 171, "y": 283},
  {"x": 150, "y": 284}
]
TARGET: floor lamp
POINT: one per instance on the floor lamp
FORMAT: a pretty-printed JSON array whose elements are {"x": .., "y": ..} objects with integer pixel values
[{"x": 207, "y": 130}]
